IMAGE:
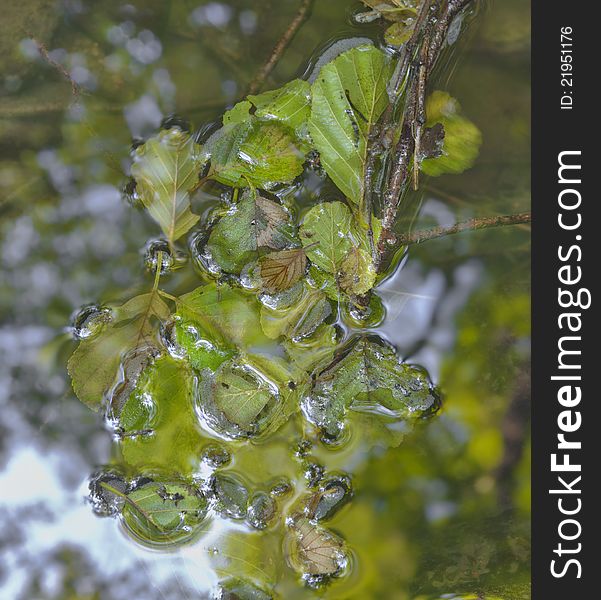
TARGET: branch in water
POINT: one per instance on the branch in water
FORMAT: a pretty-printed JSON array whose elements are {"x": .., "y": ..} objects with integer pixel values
[
  {"x": 411, "y": 77},
  {"x": 417, "y": 237},
  {"x": 279, "y": 49}
]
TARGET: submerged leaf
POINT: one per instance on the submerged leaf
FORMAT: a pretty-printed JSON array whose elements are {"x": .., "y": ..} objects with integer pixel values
[
  {"x": 349, "y": 95},
  {"x": 94, "y": 364},
  {"x": 166, "y": 168},
  {"x": 173, "y": 437},
  {"x": 367, "y": 380},
  {"x": 462, "y": 139},
  {"x": 326, "y": 235},
  {"x": 296, "y": 313},
  {"x": 250, "y": 396},
  {"x": 281, "y": 270},
  {"x": 254, "y": 223},
  {"x": 357, "y": 272},
  {"x": 164, "y": 512},
  {"x": 314, "y": 550}
]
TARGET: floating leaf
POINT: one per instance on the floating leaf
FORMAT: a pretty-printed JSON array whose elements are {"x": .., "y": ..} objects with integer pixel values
[
  {"x": 357, "y": 272},
  {"x": 462, "y": 139},
  {"x": 200, "y": 351},
  {"x": 253, "y": 223},
  {"x": 174, "y": 437},
  {"x": 250, "y": 396},
  {"x": 326, "y": 235},
  {"x": 368, "y": 380},
  {"x": 166, "y": 168},
  {"x": 349, "y": 95},
  {"x": 255, "y": 152},
  {"x": 231, "y": 495},
  {"x": 310, "y": 352},
  {"x": 296, "y": 313},
  {"x": 290, "y": 104},
  {"x": 313, "y": 550},
  {"x": 281, "y": 270},
  {"x": 159, "y": 513},
  {"x": 228, "y": 316},
  {"x": 94, "y": 364},
  {"x": 240, "y": 396}
]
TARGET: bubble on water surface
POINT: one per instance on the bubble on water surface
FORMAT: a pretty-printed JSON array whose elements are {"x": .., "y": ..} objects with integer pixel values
[
  {"x": 170, "y": 258},
  {"x": 89, "y": 320}
]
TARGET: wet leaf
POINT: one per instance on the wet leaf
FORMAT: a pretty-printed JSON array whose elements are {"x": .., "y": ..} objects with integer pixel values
[
  {"x": 250, "y": 396},
  {"x": 253, "y": 223},
  {"x": 357, "y": 272},
  {"x": 349, "y": 95},
  {"x": 165, "y": 390},
  {"x": 254, "y": 152},
  {"x": 368, "y": 380},
  {"x": 290, "y": 104},
  {"x": 166, "y": 168},
  {"x": 310, "y": 352},
  {"x": 240, "y": 396},
  {"x": 228, "y": 316},
  {"x": 94, "y": 364},
  {"x": 398, "y": 33},
  {"x": 281, "y": 270},
  {"x": 296, "y": 313},
  {"x": 326, "y": 235},
  {"x": 200, "y": 351},
  {"x": 313, "y": 550},
  {"x": 231, "y": 495},
  {"x": 462, "y": 139},
  {"x": 164, "y": 512}
]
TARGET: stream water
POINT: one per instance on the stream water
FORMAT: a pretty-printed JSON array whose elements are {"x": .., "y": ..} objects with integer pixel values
[{"x": 446, "y": 515}]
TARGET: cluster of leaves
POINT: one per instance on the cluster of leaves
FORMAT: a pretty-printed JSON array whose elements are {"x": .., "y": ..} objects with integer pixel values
[{"x": 260, "y": 340}]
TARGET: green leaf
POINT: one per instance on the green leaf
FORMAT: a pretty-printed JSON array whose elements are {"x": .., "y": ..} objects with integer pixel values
[
  {"x": 290, "y": 104},
  {"x": 462, "y": 139},
  {"x": 357, "y": 272},
  {"x": 227, "y": 316},
  {"x": 254, "y": 223},
  {"x": 94, "y": 364},
  {"x": 326, "y": 235},
  {"x": 239, "y": 113},
  {"x": 311, "y": 352},
  {"x": 368, "y": 382},
  {"x": 166, "y": 168},
  {"x": 174, "y": 441},
  {"x": 349, "y": 95},
  {"x": 254, "y": 152},
  {"x": 240, "y": 396},
  {"x": 201, "y": 352},
  {"x": 256, "y": 394},
  {"x": 296, "y": 313},
  {"x": 168, "y": 512}
]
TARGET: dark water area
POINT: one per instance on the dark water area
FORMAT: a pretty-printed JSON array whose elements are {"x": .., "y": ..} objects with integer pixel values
[{"x": 446, "y": 514}]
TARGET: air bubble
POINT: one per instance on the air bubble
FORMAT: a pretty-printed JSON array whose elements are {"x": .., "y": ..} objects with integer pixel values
[
  {"x": 89, "y": 320},
  {"x": 170, "y": 259}
]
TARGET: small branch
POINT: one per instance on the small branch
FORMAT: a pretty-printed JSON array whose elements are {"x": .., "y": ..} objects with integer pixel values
[
  {"x": 279, "y": 49},
  {"x": 423, "y": 235},
  {"x": 75, "y": 89},
  {"x": 411, "y": 77}
]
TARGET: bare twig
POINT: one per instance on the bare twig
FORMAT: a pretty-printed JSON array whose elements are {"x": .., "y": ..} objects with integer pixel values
[
  {"x": 75, "y": 89},
  {"x": 411, "y": 76},
  {"x": 279, "y": 49},
  {"x": 423, "y": 235}
]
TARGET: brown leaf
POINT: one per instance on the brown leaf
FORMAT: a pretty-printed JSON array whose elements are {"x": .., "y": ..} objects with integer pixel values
[
  {"x": 319, "y": 551},
  {"x": 281, "y": 270},
  {"x": 268, "y": 217}
]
